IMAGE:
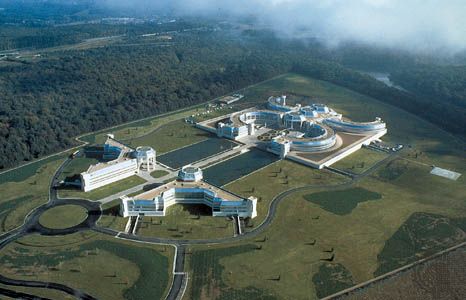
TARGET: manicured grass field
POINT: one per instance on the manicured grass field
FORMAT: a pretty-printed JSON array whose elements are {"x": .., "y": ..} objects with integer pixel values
[
  {"x": 158, "y": 173},
  {"x": 303, "y": 233},
  {"x": 143, "y": 127},
  {"x": 63, "y": 216},
  {"x": 284, "y": 260},
  {"x": 360, "y": 161},
  {"x": 111, "y": 216},
  {"x": 38, "y": 292},
  {"x": 171, "y": 136},
  {"x": 104, "y": 267},
  {"x": 276, "y": 178},
  {"x": 20, "y": 197},
  {"x": 23, "y": 173},
  {"x": 209, "y": 279},
  {"x": 187, "y": 222},
  {"x": 76, "y": 167},
  {"x": 104, "y": 191}
]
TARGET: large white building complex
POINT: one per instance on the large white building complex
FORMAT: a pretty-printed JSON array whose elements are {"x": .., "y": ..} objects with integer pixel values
[
  {"x": 314, "y": 135},
  {"x": 188, "y": 189},
  {"x": 122, "y": 163}
]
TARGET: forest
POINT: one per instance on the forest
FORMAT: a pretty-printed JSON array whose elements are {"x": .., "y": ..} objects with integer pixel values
[
  {"x": 44, "y": 104},
  {"x": 435, "y": 82}
]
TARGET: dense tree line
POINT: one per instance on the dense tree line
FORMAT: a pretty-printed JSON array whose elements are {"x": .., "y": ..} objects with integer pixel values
[
  {"x": 13, "y": 37},
  {"x": 43, "y": 105},
  {"x": 436, "y": 110},
  {"x": 447, "y": 84}
]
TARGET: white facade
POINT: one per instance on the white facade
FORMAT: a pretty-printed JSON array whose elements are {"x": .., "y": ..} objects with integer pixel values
[
  {"x": 245, "y": 208},
  {"x": 188, "y": 173},
  {"x": 146, "y": 158},
  {"x": 102, "y": 174},
  {"x": 125, "y": 162},
  {"x": 189, "y": 189}
]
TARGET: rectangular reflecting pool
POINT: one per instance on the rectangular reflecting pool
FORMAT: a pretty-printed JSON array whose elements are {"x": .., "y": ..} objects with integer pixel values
[
  {"x": 238, "y": 166},
  {"x": 190, "y": 154}
]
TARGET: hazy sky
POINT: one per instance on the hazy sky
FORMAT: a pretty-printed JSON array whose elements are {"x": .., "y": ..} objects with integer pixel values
[{"x": 417, "y": 25}]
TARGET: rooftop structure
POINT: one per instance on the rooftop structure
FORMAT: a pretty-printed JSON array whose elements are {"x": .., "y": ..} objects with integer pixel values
[
  {"x": 188, "y": 191},
  {"x": 123, "y": 163},
  {"x": 145, "y": 157},
  {"x": 315, "y": 128},
  {"x": 230, "y": 99},
  {"x": 189, "y": 173}
]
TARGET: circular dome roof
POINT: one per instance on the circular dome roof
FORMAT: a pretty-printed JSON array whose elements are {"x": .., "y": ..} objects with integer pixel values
[
  {"x": 144, "y": 151},
  {"x": 190, "y": 173}
]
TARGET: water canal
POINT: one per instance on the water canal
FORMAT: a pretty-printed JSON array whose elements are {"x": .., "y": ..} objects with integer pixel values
[
  {"x": 238, "y": 166},
  {"x": 196, "y": 152}
]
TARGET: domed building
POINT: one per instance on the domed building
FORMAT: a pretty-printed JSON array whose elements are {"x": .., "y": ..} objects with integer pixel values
[
  {"x": 190, "y": 174},
  {"x": 145, "y": 156}
]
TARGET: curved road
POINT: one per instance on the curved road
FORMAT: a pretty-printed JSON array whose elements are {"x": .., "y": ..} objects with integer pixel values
[{"x": 32, "y": 225}]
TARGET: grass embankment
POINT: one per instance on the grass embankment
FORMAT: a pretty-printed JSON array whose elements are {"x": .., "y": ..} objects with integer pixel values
[
  {"x": 24, "y": 189},
  {"x": 104, "y": 191},
  {"x": 276, "y": 178},
  {"x": 103, "y": 267},
  {"x": 360, "y": 161},
  {"x": 304, "y": 235},
  {"x": 111, "y": 216},
  {"x": 63, "y": 216},
  {"x": 75, "y": 167},
  {"x": 140, "y": 128},
  {"x": 169, "y": 137},
  {"x": 37, "y": 292}
]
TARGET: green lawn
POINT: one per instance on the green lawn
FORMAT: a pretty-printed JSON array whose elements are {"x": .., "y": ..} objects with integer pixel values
[
  {"x": 171, "y": 136},
  {"x": 25, "y": 172},
  {"x": 209, "y": 278},
  {"x": 111, "y": 216},
  {"x": 356, "y": 239},
  {"x": 20, "y": 197},
  {"x": 143, "y": 127},
  {"x": 187, "y": 222},
  {"x": 158, "y": 173},
  {"x": 360, "y": 161},
  {"x": 362, "y": 240},
  {"x": 278, "y": 177},
  {"x": 63, "y": 216},
  {"x": 76, "y": 167},
  {"x": 104, "y": 267},
  {"x": 104, "y": 191},
  {"x": 38, "y": 292}
]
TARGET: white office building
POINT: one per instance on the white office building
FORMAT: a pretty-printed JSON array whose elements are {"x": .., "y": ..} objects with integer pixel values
[
  {"x": 124, "y": 162},
  {"x": 156, "y": 201},
  {"x": 105, "y": 173}
]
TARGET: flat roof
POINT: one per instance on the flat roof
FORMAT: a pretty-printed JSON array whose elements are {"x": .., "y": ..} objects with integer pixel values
[
  {"x": 103, "y": 165},
  {"x": 151, "y": 194}
]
